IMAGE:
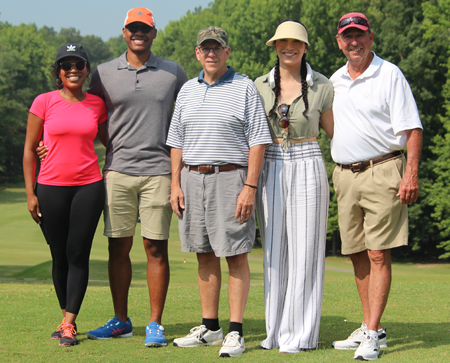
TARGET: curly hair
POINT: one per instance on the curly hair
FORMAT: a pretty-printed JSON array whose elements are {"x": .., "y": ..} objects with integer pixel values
[
  {"x": 56, "y": 70},
  {"x": 303, "y": 74}
]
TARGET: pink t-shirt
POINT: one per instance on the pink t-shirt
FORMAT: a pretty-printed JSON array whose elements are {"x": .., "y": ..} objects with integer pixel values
[{"x": 69, "y": 132}]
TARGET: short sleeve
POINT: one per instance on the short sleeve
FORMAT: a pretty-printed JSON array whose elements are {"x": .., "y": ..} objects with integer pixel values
[
  {"x": 39, "y": 106},
  {"x": 328, "y": 96}
]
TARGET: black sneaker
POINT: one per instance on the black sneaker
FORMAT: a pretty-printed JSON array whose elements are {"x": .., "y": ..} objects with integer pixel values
[
  {"x": 57, "y": 333},
  {"x": 68, "y": 335}
]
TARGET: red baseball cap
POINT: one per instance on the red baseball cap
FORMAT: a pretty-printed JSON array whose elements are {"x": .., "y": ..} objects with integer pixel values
[
  {"x": 353, "y": 20},
  {"x": 141, "y": 15}
]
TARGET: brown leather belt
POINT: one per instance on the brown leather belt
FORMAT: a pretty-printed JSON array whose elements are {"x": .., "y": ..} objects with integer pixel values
[
  {"x": 209, "y": 169},
  {"x": 355, "y": 167}
]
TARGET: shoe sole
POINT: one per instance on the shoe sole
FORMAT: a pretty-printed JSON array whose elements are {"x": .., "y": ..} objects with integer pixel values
[
  {"x": 383, "y": 345},
  {"x": 345, "y": 348},
  {"x": 155, "y": 345},
  {"x": 197, "y": 345},
  {"x": 360, "y": 357},
  {"x": 227, "y": 355},
  {"x": 68, "y": 345},
  {"x": 94, "y": 337}
]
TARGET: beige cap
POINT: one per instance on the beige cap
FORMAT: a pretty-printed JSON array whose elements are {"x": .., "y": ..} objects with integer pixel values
[{"x": 289, "y": 30}]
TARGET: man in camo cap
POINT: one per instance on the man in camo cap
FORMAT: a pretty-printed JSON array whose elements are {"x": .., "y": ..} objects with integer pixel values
[{"x": 218, "y": 135}]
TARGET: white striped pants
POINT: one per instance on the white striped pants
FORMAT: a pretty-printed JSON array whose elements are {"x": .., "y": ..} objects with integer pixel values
[{"x": 292, "y": 211}]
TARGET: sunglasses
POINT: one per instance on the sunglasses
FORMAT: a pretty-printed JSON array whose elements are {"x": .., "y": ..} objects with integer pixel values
[
  {"x": 206, "y": 51},
  {"x": 283, "y": 109},
  {"x": 67, "y": 66},
  {"x": 355, "y": 20},
  {"x": 134, "y": 28}
]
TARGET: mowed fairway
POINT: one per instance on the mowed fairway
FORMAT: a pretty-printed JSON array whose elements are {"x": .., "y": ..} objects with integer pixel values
[{"x": 417, "y": 317}]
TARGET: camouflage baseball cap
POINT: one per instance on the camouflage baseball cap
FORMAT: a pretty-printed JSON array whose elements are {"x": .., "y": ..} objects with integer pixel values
[{"x": 214, "y": 33}]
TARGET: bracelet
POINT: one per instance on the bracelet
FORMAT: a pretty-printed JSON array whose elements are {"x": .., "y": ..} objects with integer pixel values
[{"x": 251, "y": 186}]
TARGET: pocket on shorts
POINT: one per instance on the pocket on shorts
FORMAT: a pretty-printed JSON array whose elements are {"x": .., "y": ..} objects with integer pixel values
[
  {"x": 336, "y": 173},
  {"x": 394, "y": 170}
]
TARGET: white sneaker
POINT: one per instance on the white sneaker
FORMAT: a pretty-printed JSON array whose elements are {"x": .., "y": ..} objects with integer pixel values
[
  {"x": 288, "y": 349},
  {"x": 200, "y": 336},
  {"x": 233, "y": 345},
  {"x": 355, "y": 339},
  {"x": 382, "y": 342},
  {"x": 369, "y": 348}
]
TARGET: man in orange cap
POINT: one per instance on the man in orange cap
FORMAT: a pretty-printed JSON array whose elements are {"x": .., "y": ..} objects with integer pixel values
[{"x": 139, "y": 89}]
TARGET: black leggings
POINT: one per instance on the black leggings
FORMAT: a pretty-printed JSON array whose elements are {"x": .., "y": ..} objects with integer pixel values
[{"x": 69, "y": 219}]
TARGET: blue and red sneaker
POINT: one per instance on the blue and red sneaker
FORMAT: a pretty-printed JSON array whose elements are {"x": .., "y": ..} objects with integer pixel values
[
  {"x": 114, "y": 328},
  {"x": 155, "y": 335}
]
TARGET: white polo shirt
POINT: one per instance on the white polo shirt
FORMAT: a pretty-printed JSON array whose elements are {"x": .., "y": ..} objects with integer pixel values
[{"x": 371, "y": 113}]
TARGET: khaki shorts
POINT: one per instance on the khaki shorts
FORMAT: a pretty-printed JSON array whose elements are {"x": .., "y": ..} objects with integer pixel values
[
  {"x": 129, "y": 197},
  {"x": 370, "y": 213}
]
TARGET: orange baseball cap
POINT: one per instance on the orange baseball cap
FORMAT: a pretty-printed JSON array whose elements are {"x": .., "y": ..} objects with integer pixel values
[{"x": 141, "y": 15}]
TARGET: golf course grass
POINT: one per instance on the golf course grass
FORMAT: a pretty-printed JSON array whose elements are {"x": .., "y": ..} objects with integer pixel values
[{"x": 417, "y": 317}]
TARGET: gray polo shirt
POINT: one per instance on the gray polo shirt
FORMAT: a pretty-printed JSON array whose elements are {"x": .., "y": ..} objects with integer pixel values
[{"x": 140, "y": 104}]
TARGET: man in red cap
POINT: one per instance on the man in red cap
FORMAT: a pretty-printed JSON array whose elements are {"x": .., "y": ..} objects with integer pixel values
[{"x": 376, "y": 118}]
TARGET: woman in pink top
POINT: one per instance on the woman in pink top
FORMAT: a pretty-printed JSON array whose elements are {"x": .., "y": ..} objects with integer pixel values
[{"x": 68, "y": 198}]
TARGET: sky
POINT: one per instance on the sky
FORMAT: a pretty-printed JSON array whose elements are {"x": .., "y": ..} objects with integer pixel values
[{"x": 103, "y": 18}]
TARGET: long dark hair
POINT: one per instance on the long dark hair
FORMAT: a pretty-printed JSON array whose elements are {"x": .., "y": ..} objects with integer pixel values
[
  {"x": 303, "y": 74},
  {"x": 56, "y": 69}
]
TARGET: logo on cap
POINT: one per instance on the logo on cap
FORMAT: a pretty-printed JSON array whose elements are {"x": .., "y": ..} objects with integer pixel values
[
  {"x": 139, "y": 12},
  {"x": 71, "y": 48}
]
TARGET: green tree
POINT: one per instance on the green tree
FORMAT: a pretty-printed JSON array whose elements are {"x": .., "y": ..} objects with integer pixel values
[
  {"x": 24, "y": 73},
  {"x": 437, "y": 26},
  {"x": 117, "y": 45}
]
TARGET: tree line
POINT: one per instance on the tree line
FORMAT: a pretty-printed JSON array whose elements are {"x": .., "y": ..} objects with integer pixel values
[{"x": 412, "y": 34}]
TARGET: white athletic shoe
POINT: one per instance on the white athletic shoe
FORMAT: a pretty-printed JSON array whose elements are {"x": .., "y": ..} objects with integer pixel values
[
  {"x": 233, "y": 345},
  {"x": 288, "y": 349},
  {"x": 355, "y": 339},
  {"x": 382, "y": 342},
  {"x": 200, "y": 336},
  {"x": 369, "y": 348}
]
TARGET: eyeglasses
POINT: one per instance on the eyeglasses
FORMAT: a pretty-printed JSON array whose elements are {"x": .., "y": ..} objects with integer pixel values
[
  {"x": 216, "y": 51},
  {"x": 67, "y": 66},
  {"x": 284, "y": 120},
  {"x": 355, "y": 20},
  {"x": 134, "y": 28}
]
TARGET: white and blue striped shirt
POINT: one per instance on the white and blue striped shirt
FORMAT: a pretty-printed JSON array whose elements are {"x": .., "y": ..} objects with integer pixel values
[{"x": 218, "y": 124}]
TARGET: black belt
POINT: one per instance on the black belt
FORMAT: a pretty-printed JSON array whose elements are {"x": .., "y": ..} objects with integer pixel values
[
  {"x": 355, "y": 167},
  {"x": 209, "y": 169}
]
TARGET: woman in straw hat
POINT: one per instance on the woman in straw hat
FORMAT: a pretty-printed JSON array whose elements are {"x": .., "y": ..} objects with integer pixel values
[{"x": 293, "y": 192}]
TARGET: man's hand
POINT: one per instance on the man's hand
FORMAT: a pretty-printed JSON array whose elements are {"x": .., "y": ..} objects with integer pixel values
[
  {"x": 177, "y": 201},
  {"x": 409, "y": 188},
  {"x": 245, "y": 204},
  {"x": 41, "y": 151}
]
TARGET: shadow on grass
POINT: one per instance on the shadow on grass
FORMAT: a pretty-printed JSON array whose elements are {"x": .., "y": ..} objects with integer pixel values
[
  {"x": 255, "y": 327},
  {"x": 12, "y": 196},
  {"x": 400, "y": 336},
  {"x": 98, "y": 272}
]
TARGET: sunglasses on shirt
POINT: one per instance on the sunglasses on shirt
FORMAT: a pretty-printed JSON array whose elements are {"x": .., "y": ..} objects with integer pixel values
[
  {"x": 67, "y": 66},
  {"x": 355, "y": 20},
  {"x": 283, "y": 109}
]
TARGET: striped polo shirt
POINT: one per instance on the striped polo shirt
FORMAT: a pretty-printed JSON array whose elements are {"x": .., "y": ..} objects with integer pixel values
[{"x": 218, "y": 124}]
